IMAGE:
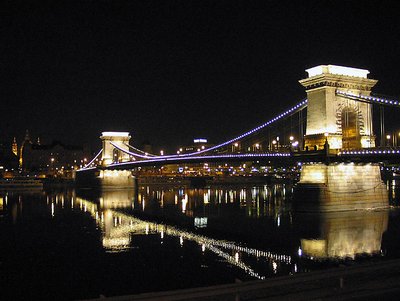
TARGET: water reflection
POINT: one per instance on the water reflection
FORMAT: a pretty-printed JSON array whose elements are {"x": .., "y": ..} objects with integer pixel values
[
  {"x": 344, "y": 235},
  {"x": 249, "y": 228},
  {"x": 256, "y": 202},
  {"x": 394, "y": 192},
  {"x": 340, "y": 235},
  {"x": 118, "y": 228}
]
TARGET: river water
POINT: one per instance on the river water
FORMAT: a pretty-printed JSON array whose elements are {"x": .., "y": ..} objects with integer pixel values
[{"x": 74, "y": 244}]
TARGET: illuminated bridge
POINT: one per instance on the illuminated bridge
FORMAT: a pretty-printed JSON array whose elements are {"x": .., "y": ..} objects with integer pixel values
[{"x": 329, "y": 134}]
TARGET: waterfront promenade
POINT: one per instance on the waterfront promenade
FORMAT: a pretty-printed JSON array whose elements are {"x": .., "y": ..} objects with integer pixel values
[{"x": 369, "y": 281}]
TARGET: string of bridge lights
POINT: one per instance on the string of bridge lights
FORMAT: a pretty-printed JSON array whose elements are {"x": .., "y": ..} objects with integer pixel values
[
  {"x": 299, "y": 106},
  {"x": 140, "y": 151},
  {"x": 369, "y": 98},
  {"x": 91, "y": 162},
  {"x": 130, "y": 153},
  {"x": 155, "y": 158},
  {"x": 176, "y": 158},
  {"x": 370, "y": 152},
  {"x": 295, "y": 108}
]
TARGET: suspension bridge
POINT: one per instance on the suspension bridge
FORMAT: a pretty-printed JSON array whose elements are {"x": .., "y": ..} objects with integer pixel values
[{"x": 330, "y": 134}]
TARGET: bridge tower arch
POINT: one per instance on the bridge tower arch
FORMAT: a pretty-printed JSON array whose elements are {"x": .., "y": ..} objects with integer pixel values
[
  {"x": 344, "y": 123},
  {"x": 110, "y": 153}
]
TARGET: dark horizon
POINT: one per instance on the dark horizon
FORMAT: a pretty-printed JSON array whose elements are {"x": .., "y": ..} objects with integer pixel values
[{"x": 169, "y": 72}]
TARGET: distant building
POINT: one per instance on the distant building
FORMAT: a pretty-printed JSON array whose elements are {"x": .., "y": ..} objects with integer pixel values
[
  {"x": 56, "y": 159},
  {"x": 8, "y": 160},
  {"x": 199, "y": 144}
]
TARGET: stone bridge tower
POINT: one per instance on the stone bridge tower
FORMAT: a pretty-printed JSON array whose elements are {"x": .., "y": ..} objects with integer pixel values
[
  {"x": 111, "y": 154},
  {"x": 344, "y": 123}
]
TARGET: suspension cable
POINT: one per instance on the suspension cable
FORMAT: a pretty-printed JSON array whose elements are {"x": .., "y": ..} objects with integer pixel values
[{"x": 87, "y": 165}]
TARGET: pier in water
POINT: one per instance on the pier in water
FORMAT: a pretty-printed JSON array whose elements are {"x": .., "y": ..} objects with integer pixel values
[{"x": 76, "y": 244}]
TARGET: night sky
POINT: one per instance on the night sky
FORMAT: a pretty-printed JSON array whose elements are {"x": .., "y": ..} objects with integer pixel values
[{"x": 171, "y": 71}]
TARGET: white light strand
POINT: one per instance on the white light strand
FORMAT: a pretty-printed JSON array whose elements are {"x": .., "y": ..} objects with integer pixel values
[
  {"x": 370, "y": 152},
  {"x": 372, "y": 99},
  {"x": 128, "y": 152},
  {"x": 297, "y": 107},
  {"x": 87, "y": 165},
  {"x": 140, "y": 151},
  {"x": 205, "y": 158}
]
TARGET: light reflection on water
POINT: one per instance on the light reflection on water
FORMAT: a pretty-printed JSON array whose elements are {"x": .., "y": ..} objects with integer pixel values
[
  {"x": 118, "y": 227},
  {"x": 252, "y": 231},
  {"x": 336, "y": 235}
]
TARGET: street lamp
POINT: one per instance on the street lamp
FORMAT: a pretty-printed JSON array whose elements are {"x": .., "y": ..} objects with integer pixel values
[
  {"x": 388, "y": 140},
  {"x": 235, "y": 147},
  {"x": 52, "y": 164}
]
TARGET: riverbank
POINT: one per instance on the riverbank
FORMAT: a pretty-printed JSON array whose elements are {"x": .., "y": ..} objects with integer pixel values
[{"x": 372, "y": 281}]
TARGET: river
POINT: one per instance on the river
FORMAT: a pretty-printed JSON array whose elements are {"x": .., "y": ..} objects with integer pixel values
[{"x": 68, "y": 244}]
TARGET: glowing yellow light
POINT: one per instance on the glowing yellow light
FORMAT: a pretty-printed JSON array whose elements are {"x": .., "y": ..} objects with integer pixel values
[
  {"x": 338, "y": 70},
  {"x": 274, "y": 266},
  {"x": 184, "y": 203},
  {"x": 116, "y": 134}
]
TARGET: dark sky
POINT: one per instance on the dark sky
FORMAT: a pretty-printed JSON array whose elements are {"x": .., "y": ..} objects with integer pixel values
[{"x": 170, "y": 71}]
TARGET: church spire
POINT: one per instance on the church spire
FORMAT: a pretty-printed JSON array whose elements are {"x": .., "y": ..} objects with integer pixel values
[
  {"x": 27, "y": 138},
  {"x": 15, "y": 147}
]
